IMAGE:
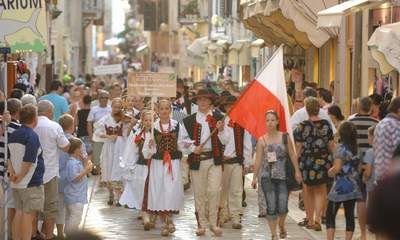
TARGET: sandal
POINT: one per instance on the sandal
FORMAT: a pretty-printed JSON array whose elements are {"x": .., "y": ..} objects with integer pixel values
[
  {"x": 165, "y": 231},
  {"x": 283, "y": 233},
  {"x": 303, "y": 223},
  {"x": 317, "y": 227}
]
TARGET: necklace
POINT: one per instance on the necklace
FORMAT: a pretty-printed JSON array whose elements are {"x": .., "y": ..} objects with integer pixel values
[{"x": 169, "y": 127}]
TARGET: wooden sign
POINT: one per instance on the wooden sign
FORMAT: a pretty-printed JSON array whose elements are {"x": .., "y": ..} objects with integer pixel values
[{"x": 152, "y": 84}]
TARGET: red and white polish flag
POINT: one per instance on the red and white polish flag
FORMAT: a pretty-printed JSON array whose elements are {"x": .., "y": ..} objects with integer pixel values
[{"x": 266, "y": 92}]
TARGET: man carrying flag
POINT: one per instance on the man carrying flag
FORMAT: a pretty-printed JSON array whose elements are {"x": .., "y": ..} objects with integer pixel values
[{"x": 205, "y": 160}]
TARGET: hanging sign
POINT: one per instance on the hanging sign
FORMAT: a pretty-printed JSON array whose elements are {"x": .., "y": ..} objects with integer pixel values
[{"x": 23, "y": 25}]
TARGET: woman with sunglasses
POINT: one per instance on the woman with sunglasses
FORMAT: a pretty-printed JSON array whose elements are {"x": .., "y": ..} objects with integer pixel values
[{"x": 272, "y": 151}]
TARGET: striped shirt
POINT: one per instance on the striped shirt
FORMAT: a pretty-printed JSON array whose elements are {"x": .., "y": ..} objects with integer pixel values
[
  {"x": 362, "y": 122},
  {"x": 386, "y": 139},
  {"x": 12, "y": 126}
]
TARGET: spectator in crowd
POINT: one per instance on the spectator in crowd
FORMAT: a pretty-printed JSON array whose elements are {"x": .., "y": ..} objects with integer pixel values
[
  {"x": 324, "y": 98},
  {"x": 386, "y": 139},
  {"x": 28, "y": 98},
  {"x": 26, "y": 170},
  {"x": 314, "y": 143},
  {"x": 345, "y": 189},
  {"x": 362, "y": 121},
  {"x": 355, "y": 107},
  {"x": 115, "y": 91},
  {"x": 336, "y": 115},
  {"x": 14, "y": 107},
  {"x": 81, "y": 123},
  {"x": 138, "y": 105},
  {"x": 60, "y": 104},
  {"x": 383, "y": 206},
  {"x": 53, "y": 140},
  {"x": 17, "y": 93},
  {"x": 376, "y": 103},
  {"x": 301, "y": 114},
  {"x": 368, "y": 176},
  {"x": 76, "y": 185},
  {"x": 273, "y": 150},
  {"x": 95, "y": 114}
]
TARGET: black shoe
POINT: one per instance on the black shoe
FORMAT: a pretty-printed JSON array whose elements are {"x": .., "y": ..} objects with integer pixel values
[
  {"x": 244, "y": 204},
  {"x": 110, "y": 202},
  {"x": 262, "y": 215},
  {"x": 118, "y": 204}
]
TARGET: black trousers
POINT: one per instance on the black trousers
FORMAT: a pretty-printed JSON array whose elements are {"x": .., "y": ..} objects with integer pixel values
[{"x": 332, "y": 210}]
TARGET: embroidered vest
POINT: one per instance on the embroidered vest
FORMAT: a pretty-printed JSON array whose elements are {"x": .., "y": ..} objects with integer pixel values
[
  {"x": 238, "y": 132},
  {"x": 167, "y": 141},
  {"x": 194, "y": 130}
]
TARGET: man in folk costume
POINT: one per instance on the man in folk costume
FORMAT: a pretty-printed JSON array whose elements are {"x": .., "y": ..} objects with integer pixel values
[
  {"x": 181, "y": 108},
  {"x": 205, "y": 160},
  {"x": 236, "y": 160}
]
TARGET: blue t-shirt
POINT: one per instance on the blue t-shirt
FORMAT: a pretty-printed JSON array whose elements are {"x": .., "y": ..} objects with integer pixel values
[
  {"x": 24, "y": 146},
  {"x": 369, "y": 158},
  {"x": 75, "y": 192},
  {"x": 59, "y": 102}
]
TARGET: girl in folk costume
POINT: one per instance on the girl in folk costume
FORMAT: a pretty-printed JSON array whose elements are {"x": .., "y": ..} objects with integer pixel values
[
  {"x": 165, "y": 190},
  {"x": 112, "y": 128},
  {"x": 136, "y": 168}
]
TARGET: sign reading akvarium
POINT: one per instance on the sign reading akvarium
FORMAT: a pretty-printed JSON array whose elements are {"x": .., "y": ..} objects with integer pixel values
[
  {"x": 23, "y": 25},
  {"x": 152, "y": 84}
]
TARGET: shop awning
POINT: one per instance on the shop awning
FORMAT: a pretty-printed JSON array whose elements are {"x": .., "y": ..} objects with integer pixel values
[
  {"x": 290, "y": 22},
  {"x": 385, "y": 47},
  {"x": 198, "y": 47},
  {"x": 332, "y": 17}
]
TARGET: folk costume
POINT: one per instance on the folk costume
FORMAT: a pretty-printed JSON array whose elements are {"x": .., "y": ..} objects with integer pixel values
[
  {"x": 135, "y": 169},
  {"x": 205, "y": 169},
  {"x": 237, "y": 154},
  {"x": 111, "y": 171}
]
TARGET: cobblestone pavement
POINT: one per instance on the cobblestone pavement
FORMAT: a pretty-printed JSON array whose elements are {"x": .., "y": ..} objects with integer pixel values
[{"x": 121, "y": 223}]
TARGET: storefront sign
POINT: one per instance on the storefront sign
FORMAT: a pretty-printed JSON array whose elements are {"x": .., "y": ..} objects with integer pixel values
[
  {"x": 107, "y": 69},
  {"x": 152, "y": 84},
  {"x": 23, "y": 25}
]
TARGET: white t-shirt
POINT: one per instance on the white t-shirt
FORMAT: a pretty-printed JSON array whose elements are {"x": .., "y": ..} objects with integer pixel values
[
  {"x": 302, "y": 115},
  {"x": 52, "y": 138},
  {"x": 96, "y": 113}
]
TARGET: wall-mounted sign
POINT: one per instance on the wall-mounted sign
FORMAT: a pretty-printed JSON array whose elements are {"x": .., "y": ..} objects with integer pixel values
[
  {"x": 107, "y": 69},
  {"x": 23, "y": 25}
]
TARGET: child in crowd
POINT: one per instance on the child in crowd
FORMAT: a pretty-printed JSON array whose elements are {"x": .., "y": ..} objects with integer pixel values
[
  {"x": 76, "y": 185},
  {"x": 369, "y": 159},
  {"x": 67, "y": 123}
]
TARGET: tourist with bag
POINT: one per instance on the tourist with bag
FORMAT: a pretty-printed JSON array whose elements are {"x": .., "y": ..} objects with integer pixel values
[
  {"x": 273, "y": 151},
  {"x": 346, "y": 188}
]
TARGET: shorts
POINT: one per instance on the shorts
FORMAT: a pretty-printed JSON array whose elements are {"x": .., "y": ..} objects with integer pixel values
[
  {"x": 9, "y": 198},
  {"x": 50, "y": 209},
  {"x": 276, "y": 195},
  {"x": 29, "y": 199}
]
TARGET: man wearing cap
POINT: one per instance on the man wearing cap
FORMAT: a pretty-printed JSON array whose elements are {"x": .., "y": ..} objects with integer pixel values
[
  {"x": 237, "y": 153},
  {"x": 205, "y": 160}
]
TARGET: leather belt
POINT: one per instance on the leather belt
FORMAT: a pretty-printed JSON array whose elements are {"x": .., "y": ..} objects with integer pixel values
[
  {"x": 230, "y": 160},
  {"x": 205, "y": 156}
]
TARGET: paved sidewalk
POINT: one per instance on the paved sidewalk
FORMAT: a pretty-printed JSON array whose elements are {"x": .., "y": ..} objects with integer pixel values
[{"x": 120, "y": 223}]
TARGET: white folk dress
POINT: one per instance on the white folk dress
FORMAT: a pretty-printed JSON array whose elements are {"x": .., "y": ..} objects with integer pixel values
[
  {"x": 112, "y": 150},
  {"x": 135, "y": 171},
  {"x": 165, "y": 191}
]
